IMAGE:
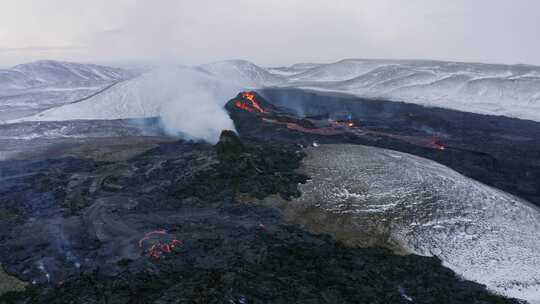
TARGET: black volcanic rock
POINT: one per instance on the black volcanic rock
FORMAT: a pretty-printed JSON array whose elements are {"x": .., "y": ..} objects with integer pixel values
[
  {"x": 259, "y": 170},
  {"x": 229, "y": 144},
  {"x": 75, "y": 229}
]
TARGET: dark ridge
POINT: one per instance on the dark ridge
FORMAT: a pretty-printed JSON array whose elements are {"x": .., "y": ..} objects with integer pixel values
[{"x": 303, "y": 272}]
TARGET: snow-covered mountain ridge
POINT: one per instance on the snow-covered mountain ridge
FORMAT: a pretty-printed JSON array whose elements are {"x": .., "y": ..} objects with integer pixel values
[
  {"x": 49, "y": 72},
  {"x": 30, "y": 88},
  {"x": 494, "y": 89},
  {"x": 242, "y": 73}
]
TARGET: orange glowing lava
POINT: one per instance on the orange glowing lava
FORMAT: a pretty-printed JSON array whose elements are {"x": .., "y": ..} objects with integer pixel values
[
  {"x": 157, "y": 250},
  {"x": 149, "y": 235},
  {"x": 244, "y": 106},
  {"x": 159, "y": 247},
  {"x": 249, "y": 103},
  {"x": 249, "y": 96},
  {"x": 439, "y": 146}
]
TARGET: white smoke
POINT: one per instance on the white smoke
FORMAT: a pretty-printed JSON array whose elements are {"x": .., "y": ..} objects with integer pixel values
[
  {"x": 188, "y": 101},
  {"x": 193, "y": 105}
]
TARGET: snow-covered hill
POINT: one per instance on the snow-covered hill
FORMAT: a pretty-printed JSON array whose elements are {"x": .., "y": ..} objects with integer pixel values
[
  {"x": 294, "y": 69},
  {"x": 339, "y": 71},
  {"x": 482, "y": 233},
  {"x": 242, "y": 73},
  {"x": 188, "y": 100},
  {"x": 146, "y": 95},
  {"x": 12, "y": 79},
  {"x": 508, "y": 90},
  {"x": 29, "y": 88},
  {"x": 48, "y": 72}
]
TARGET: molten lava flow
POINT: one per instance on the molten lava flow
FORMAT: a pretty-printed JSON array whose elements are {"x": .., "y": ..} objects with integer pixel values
[
  {"x": 438, "y": 145},
  {"x": 157, "y": 250},
  {"x": 244, "y": 106},
  {"x": 249, "y": 96},
  {"x": 342, "y": 124},
  {"x": 249, "y": 103},
  {"x": 150, "y": 234},
  {"x": 159, "y": 247}
]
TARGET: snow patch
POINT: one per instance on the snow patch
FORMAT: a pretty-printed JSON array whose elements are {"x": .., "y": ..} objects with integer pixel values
[{"x": 482, "y": 233}]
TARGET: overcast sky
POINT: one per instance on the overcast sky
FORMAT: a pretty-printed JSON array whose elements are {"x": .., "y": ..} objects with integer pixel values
[{"x": 278, "y": 32}]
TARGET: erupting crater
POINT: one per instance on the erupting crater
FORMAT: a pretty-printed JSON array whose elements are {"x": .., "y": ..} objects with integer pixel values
[
  {"x": 248, "y": 101},
  {"x": 329, "y": 124}
]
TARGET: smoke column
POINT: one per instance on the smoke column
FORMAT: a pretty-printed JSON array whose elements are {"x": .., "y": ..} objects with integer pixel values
[
  {"x": 188, "y": 101},
  {"x": 194, "y": 105}
]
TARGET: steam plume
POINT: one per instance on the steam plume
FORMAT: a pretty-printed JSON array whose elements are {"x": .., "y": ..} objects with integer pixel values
[{"x": 188, "y": 101}]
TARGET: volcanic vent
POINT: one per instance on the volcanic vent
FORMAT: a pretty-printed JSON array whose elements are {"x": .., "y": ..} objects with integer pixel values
[{"x": 250, "y": 102}]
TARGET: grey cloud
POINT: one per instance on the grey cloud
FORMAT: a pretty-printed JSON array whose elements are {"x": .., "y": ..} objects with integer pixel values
[
  {"x": 40, "y": 49},
  {"x": 279, "y": 32}
]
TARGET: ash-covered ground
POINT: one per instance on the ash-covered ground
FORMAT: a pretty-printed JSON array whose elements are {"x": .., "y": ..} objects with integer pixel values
[{"x": 180, "y": 223}]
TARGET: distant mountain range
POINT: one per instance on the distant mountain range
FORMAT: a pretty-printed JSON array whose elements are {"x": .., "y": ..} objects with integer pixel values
[
  {"x": 31, "y": 88},
  {"x": 508, "y": 90},
  {"x": 47, "y": 72}
]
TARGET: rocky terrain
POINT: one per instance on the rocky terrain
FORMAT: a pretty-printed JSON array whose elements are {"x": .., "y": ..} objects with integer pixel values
[{"x": 176, "y": 224}]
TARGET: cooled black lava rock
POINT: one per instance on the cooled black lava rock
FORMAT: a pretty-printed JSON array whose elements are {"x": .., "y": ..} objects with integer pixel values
[
  {"x": 259, "y": 170},
  {"x": 310, "y": 271},
  {"x": 229, "y": 145},
  {"x": 228, "y": 252}
]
